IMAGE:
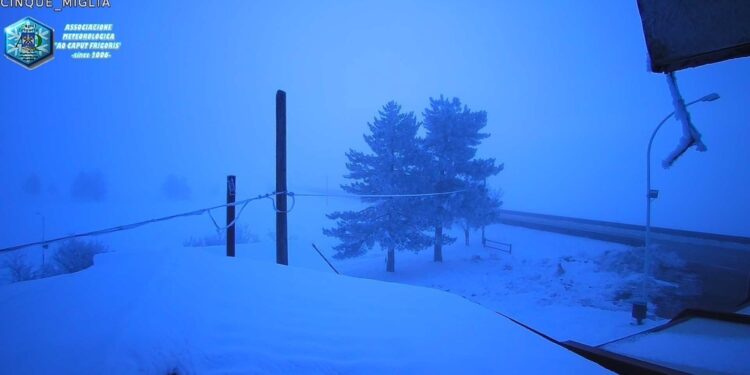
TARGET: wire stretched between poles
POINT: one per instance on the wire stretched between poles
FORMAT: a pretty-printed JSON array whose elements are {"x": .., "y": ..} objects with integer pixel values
[{"x": 134, "y": 225}]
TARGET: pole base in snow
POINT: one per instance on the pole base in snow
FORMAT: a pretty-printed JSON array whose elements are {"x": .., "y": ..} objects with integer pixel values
[{"x": 639, "y": 311}]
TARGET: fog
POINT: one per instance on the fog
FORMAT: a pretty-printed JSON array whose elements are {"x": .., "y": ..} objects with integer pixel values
[{"x": 190, "y": 98}]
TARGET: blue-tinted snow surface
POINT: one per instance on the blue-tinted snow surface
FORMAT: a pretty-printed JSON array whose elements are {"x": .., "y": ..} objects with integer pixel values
[{"x": 152, "y": 312}]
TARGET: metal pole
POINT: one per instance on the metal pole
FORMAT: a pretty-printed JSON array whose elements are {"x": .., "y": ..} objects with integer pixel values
[
  {"x": 282, "y": 255},
  {"x": 44, "y": 247},
  {"x": 640, "y": 309},
  {"x": 231, "y": 195},
  {"x": 647, "y": 239},
  {"x": 326, "y": 259}
]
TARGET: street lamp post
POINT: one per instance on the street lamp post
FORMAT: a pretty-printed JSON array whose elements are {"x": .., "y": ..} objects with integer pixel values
[
  {"x": 639, "y": 309},
  {"x": 44, "y": 246}
]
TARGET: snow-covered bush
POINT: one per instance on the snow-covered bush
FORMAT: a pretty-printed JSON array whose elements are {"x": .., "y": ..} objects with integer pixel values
[
  {"x": 671, "y": 286},
  {"x": 71, "y": 256},
  {"x": 18, "y": 268},
  {"x": 75, "y": 255},
  {"x": 49, "y": 269},
  {"x": 242, "y": 235}
]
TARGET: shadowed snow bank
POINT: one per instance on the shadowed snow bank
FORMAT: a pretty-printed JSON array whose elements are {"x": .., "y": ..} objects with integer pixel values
[{"x": 201, "y": 313}]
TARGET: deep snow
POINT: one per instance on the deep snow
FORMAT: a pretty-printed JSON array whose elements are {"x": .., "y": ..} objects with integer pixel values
[
  {"x": 526, "y": 284},
  {"x": 698, "y": 346},
  {"x": 197, "y": 312}
]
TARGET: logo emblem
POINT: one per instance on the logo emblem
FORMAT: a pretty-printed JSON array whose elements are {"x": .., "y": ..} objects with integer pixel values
[{"x": 29, "y": 43}]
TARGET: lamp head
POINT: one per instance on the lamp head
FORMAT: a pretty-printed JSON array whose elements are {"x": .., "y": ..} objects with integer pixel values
[{"x": 710, "y": 97}]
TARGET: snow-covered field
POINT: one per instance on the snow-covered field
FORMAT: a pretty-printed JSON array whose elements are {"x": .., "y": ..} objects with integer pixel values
[
  {"x": 192, "y": 311},
  {"x": 560, "y": 285},
  {"x": 555, "y": 283},
  {"x": 199, "y": 312}
]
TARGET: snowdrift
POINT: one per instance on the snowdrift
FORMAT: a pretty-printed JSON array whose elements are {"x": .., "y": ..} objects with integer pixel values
[{"x": 192, "y": 312}]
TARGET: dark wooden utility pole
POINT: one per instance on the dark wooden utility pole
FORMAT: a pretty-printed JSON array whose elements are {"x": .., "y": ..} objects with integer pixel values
[
  {"x": 282, "y": 251},
  {"x": 231, "y": 195}
]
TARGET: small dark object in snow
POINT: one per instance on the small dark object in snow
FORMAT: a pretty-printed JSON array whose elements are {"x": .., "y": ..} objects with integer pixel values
[
  {"x": 560, "y": 270},
  {"x": 639, "y": 312}
]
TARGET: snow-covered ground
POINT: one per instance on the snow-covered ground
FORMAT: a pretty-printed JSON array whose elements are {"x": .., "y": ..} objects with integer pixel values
[
  {"x": 194, "y": 311},
  {"x": 696, "y": 346},
  {"x": 555, "y": 283},
  {"x": 558, "y": 284},
  {"x": 576, "y": 303}
]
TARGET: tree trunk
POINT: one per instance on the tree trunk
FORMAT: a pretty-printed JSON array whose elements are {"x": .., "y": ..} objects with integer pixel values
[
  {"x": 391, "y": 263},
  {"x": 483, "y": 239},
  {"x": 438, "y": 243}
]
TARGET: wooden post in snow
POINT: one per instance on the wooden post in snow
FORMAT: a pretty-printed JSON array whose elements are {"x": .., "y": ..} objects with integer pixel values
[
  {"x": 231, "y": 195},
  {"x": 282, "y": 254}
]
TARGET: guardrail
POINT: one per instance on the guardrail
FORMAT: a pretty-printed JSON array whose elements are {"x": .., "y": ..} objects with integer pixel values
[{"x": 629, "y": 234}]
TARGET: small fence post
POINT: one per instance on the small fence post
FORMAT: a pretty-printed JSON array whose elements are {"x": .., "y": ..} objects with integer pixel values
[
  {"x": 484, "y": 240},
  {"x": 231, "y": 195}
]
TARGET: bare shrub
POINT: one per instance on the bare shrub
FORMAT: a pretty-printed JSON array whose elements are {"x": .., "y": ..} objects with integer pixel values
[
  {"x": 76, "y": 254},
  {"x": 671, "y": 286},
  {"x": 18, "y": 268},
  {"x": 242, "y": 235}
]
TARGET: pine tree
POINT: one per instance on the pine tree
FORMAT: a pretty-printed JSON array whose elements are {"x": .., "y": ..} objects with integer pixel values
[
  {"x": 453, "y": 134},
  {"x": 477, "y": 208},
  {"x": 391, "y": 168}
]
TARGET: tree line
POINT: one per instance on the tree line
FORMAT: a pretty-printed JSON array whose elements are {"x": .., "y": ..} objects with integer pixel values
[{"x": 401, "y": 161}]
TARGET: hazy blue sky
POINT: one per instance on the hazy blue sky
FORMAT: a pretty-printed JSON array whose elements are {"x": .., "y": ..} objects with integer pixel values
[{"x": 569, "y": 99}]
